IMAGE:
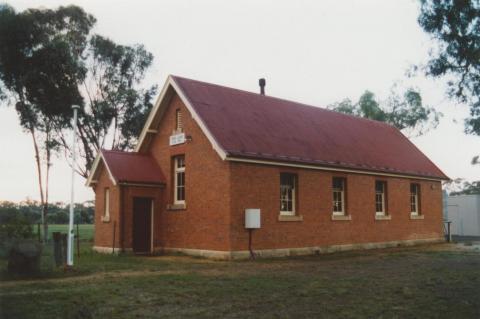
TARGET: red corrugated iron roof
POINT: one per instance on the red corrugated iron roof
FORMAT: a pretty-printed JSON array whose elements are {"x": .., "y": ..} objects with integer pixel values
[
  {"x": 255, "y": 126},
  {"x": 133, "y": 167}
]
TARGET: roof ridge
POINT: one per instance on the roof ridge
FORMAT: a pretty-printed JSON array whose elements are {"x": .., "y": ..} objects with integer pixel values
[{"x": 319, "y": 108}]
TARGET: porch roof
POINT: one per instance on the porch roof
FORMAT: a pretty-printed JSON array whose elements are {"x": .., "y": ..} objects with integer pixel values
[{"x": 129, "y": 167}]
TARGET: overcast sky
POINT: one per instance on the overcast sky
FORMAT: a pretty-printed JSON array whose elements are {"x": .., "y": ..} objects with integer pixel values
[{"x": 315, "y": 52}]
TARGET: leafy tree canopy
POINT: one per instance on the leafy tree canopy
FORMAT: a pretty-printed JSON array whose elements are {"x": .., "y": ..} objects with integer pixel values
[
  {"x": 40, "y": 63},
  {"x": 455, "y": 26},
  {"x": 404, "y": 111},
  {"x": 460, "y": 186},
  {"x": 116, "y": 105},
  {"x": 50, "y": 60}
]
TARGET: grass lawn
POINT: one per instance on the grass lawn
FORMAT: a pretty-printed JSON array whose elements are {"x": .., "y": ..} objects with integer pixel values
[
  {"x": 437, "y": 281},
  {"x": 86, "y": 230}
]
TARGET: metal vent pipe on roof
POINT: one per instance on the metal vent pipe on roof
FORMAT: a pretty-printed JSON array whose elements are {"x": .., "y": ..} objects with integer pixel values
[{"x": 262, "y": 83}]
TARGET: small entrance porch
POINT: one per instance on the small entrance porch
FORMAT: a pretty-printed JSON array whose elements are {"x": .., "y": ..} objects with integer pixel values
[{"x": 129, "y": 196}]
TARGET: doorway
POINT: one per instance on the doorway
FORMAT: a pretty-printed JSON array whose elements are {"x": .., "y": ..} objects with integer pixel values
[{"x": 142, "y": 225}]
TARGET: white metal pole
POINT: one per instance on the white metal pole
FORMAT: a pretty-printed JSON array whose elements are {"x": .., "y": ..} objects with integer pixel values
[{"x": 74, "y": 157}]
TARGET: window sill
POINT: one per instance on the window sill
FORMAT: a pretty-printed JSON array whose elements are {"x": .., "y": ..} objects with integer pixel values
[
  {"x": 290, "y": 218},
  {"x": 341, "y": 217},
  {"x": 383, "y": 217},
  {"x": 176, "y": 206},
  {"x": 417, "y": 216},
  {"x": 105, "y": 219}
]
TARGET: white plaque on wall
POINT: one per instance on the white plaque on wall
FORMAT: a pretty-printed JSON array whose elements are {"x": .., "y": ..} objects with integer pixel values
[{"x": 177, "y": 139}]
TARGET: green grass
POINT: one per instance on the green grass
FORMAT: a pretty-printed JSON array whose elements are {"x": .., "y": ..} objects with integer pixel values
[
  {"x": 86, "y": 230},
  {"x": 420, "y": 282}
]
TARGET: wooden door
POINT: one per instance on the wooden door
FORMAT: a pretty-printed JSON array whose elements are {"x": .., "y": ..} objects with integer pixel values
[{"x": 142, "y": 225}]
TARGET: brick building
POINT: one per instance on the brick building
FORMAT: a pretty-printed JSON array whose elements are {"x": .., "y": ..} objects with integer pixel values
[{"x": 323, "y": 181}]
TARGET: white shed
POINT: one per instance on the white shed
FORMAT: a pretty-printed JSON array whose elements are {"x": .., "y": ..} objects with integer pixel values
[{"x": 464, "y": 212}]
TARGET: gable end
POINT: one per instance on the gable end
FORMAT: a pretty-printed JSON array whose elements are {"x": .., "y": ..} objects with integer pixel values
[{"x": 156, "y": 114}]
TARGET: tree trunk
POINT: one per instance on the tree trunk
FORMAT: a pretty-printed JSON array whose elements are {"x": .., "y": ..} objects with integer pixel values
[
  {"x": 39, "y": 173},
  {"x": 45, "y": 224},
  {"x": 47, "y": 175},
  {"x": 114, "y": 134}
]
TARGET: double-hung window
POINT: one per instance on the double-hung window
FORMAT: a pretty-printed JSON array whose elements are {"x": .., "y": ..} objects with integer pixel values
[
  {"x": 287, "y": 193},
  {"x": 338, "y": 188},
  {"x": 179, "y": 180},
  {"x": 380, "y": 198},
  {"x": 415, "y": 199}
]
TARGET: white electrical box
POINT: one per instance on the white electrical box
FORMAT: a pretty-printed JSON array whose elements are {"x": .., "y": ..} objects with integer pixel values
[{"x": 252, "y": 218}]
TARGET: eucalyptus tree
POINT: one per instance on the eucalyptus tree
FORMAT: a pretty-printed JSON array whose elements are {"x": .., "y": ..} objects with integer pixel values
[
  {"x": 40, "y": 66},
  {"x": 405, "y": 111},
  {"x": 454, "y": 25},
  {"x": 51, "y": 60},
  {"x": 116, "y": 105}
]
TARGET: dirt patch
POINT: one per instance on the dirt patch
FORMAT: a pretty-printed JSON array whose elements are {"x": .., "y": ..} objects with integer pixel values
[
  {"x": 461, "y": 246},
  {"x": 93, "y": 277}
]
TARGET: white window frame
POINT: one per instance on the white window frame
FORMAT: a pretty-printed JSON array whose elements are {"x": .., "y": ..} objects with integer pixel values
[
  {"x": 106, "y": 205},
  {"x": 293, "y": 199},
  {"x": 383, "y": 194},
  {"x": 175, "y": 184},
  {"x": 342, "y": 197},
  {"x": 416, "y": 194}
]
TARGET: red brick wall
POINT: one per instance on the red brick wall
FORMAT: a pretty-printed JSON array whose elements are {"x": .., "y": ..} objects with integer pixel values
[
  {"x": 104, "y": 230},
  {"x": 257, "y": 186},
  {"x": 205, "y": 222}
]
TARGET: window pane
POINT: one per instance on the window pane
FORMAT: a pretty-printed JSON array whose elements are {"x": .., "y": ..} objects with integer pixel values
[
  {"x": 107, "y": 202},
  {"x": 413, "y": 188},
  {"x": 287, "y": 179},
  {"x": 338, "y": 183},
  {"x": 414, "y": 195},
  {"x": 413, "y": 203},
  {"x": 181, "y": 193},
  {"x": 379, "y": 202},
  {"x": 287, "y": 192},
  {"x": 379, "y": 187},
  {"x": 180, "y": 162},
  {"x": 337, "y": 201},
  {"x": 179, "y": 187},
  {"x": 338, "y": 186}
]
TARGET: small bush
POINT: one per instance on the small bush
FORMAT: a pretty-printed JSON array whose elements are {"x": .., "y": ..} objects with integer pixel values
[{"x": 14, "y": 229}]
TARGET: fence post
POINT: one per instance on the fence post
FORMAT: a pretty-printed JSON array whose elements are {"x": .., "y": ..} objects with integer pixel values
[
  {"x": 64, "y": 247},
  {"x": 38, "y": 233},
  {"x": 78, "y": 242},
  {"x": 449, "y": 232},
  {"x": 113, "y": 243},
  {"x": 57, "y": 248}
]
